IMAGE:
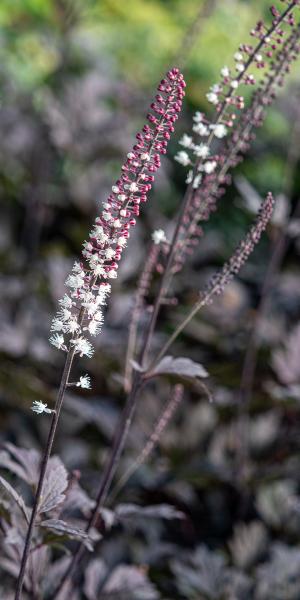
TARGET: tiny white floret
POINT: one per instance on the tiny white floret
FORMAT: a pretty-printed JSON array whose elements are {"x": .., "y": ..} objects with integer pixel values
[
  {"x": 183, "y": 158},
  {"x": 39, "y": 407},
  {"x": 84, "y": 382},
  {"x": 202, "y": 151},
  {"x": 57, "y": 341},
  {"x": 158, "y": 236},
  {"x": 186, "y": 141}
]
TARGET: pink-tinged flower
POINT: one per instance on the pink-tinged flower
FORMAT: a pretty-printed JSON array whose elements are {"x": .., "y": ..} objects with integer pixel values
[{"x": 80, "y": 311}]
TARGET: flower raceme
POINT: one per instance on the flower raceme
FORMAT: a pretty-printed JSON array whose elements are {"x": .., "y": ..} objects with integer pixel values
[
  {"x": 215, "y": 146},
  {"x": 226, "y": 99},
  {"x": 81, "y": 310}
]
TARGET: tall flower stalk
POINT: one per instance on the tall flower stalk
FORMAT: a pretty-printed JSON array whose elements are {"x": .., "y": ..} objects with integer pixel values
[
  {"x": 80, "y": 315},
  {"x": 207, "y": 172}
]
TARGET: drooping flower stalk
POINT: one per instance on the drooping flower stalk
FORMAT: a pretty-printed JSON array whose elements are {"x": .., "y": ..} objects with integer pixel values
[{"x": 80, "y": 314}]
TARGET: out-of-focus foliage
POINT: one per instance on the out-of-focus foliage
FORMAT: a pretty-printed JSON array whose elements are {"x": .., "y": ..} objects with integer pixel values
[{"x": 75, "y": 79}]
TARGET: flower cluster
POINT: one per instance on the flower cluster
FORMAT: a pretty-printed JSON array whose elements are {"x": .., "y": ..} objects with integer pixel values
[
  {"x": 227, "y": 101},
  {"x": 81, "y": 310},
  {"x": 215, "y": 147}
]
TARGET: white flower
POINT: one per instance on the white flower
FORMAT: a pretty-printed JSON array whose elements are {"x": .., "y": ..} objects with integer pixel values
[
  {"x": 83, "y": 347},
  {"x": 94, "y": 327},
  {"x": 75, "y": 281},
  {"x": 159, "y": 236},
  {"x": 110, "y": 253},
  {"x": 39, "y": 407},
  {"x": 65, "y": 314},
  {"x": 189, "y": 178},
  {"x": 133, "y": 187},
  {"x": 201, "y": 129},
  {"x": 98, "y": 316},
  {"x": 145, "y": 156},
  {"x": 112, "y": 274},
  {"x": 84, "y": 382},
  {"x": 106, "y": 216},
  {"x": 238, "y": 57},
  {"x": 212, "y": 98},
  {"x": 130, "y": 155},
  {"x": 215, "y": 88},
  {"x": 66, "y": 301},
  {"x": 115, "y": 189},
  {"x": 122, "y": 241},
  {"x": 225, "y": 71},
  {"x": 57, "y": 324},
  {"x": 197, "y": 181},
  {"x": 72, "y": 326},
  {"x": 87, "y": 246},
  {"x": 240, "y": 67},
  {"x": 122, "y": 197},
  {"x": 202, "y": 151},
  {"x": 209, "y": 167},
  {"x": 219, "y": 130},
  {"x": 234, "y": 84},
  {"x": 183, "y": 158},
  {"x": 117, "y": 224},
  {"x": 98, "y": 270},
  {"x": 57, "y": 341},
  {"x": 99, "y": 234},
  {"x": 258, "y": 57},
  {"x": 186, "y": 141},
  {"x": 198, "y": 117}
]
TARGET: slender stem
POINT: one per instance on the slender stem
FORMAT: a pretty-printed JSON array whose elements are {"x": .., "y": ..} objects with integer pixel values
[
  {"x": 44, "y": 464},
  {"x": 153, "y": 439},
  {"x": 278, "y": 252},
  {"x": 108, "y": 474},
  {"x": 142, "y": 291}
]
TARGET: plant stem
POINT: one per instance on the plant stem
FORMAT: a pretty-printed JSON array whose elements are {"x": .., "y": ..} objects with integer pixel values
[
  {"x": 108, "y": 474},
  {"x": 44, "y": 464},
  {"x": 279, "y": 248}
]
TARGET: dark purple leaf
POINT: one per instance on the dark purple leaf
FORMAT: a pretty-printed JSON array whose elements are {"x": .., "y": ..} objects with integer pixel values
[
  {"x": 180, "y": 368},
  {"x": 15, "y": 496},
  {"x": 62, "y": 528},
  {"x": 55, "y": 484}
]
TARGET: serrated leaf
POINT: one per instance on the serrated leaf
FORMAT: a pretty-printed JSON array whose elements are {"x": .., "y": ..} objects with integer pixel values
[
  {"x": 23, "y": 463},
  {"x": 71, "y": 532},
  {"x": 15, "y": 496},
  {"x": 180, "y": 368},
  {"x": 55, "y": 484}
]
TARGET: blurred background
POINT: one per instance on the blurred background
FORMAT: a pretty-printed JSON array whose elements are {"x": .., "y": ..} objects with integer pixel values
[{"x": 76, "y": 78}]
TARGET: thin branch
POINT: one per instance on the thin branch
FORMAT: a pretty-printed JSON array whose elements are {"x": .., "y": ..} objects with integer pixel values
[{"x": 153, "y": 439}]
